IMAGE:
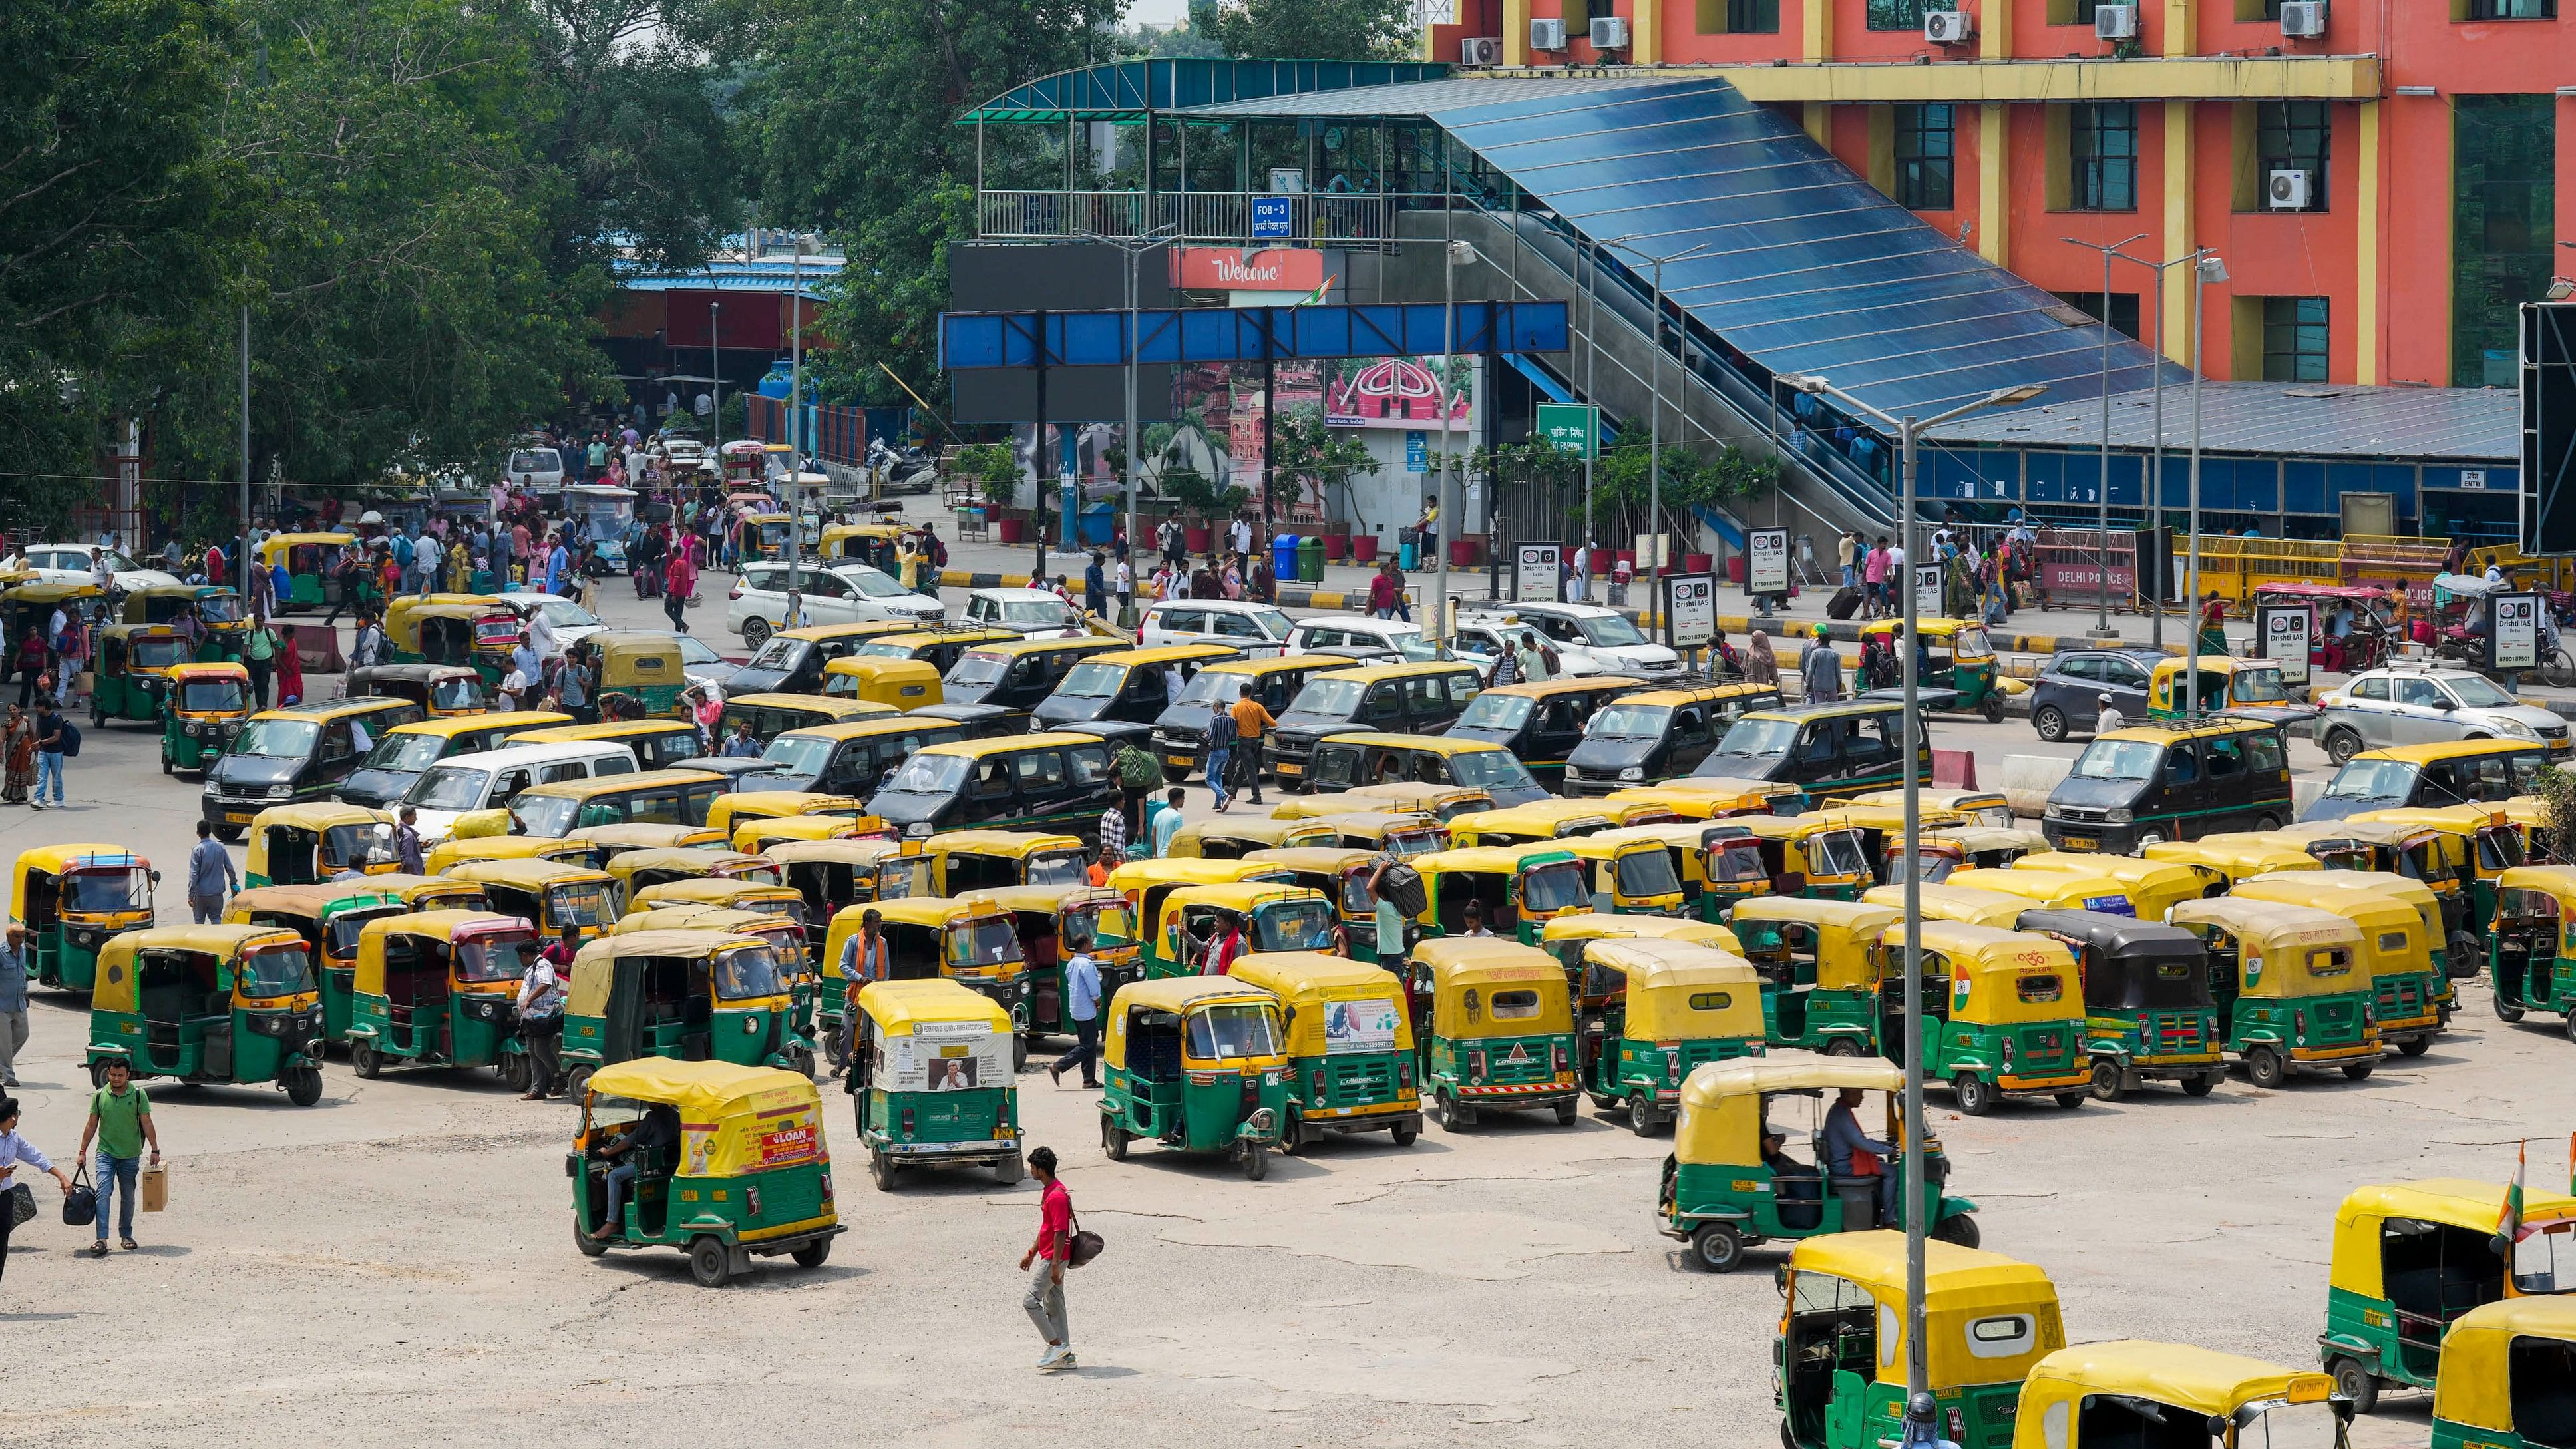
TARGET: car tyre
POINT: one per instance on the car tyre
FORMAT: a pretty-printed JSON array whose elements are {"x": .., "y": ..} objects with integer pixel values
[
  {"x": 2049, "y": 722},
  {"x": 709, "y": 1261},
  {"x": 755, "y": 632},
  {"x": 1995, "y": 707},
  {"x": 2341, "y": 746},
  {"x": 1976, "y": 1094},
  {"x": 365, "y": 1060},
  {"x": 2506, "y": 1011},
  {"x": 2265, "y": 1068},
  {"x": 2266, "y": 823},
  {"x": 1718, "y": 1247}
]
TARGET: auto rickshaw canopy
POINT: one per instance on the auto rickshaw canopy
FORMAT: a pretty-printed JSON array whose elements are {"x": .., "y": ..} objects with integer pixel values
[
  {"x": 2122, "y": 959},
  {"x": 2452, "y": 1202},
  {"x": 1540, "y": 820},
  {"x": 445, "y": 927},
  {"x": 2197, "y": 1380},
  {"x": 2481, "y": 827},
  {"x": 2064, "y": 890},
  {"x": 459, "y": 850},
  {"x": 1181, "y": 996},
  {"x": 635, "y": 658},
  {"x": 1985, "y": 807},
  {"x": 1705, "y": 797},
  {"x": 1332, "y": 861},
  {"x": 1444, "y": 803},
  {"x": 1013, "y": 845},
  {"x": 2154, "y": 885},
  {"x": 1961, "y": 1287},
  {"x": 1376, "y": 829},
  {"x": 2475, "y": 1389},
  {"x": 899, "y": 1007},
  {"x": 275, "y": 546},
  {"x": 1964, "y": 638},
  {"x": 1845, "y": 931},
  {"x": 640, "y": 835},
  {"x": 1614, "y": 926},
  {"x": 734, "y": 1120},
  {"x": 2220, "y": 671},
  {"x": 754, "y": 835},
  {"x": 1313, "y": 987},
  {"x": 696, "y": 862},
  {"x": 904, "y": 684},
  {"x": 59, "y": 860},
  {"x": 1943, "y": 901},
  {"x": 1683, "y": 991},
  {"x": 484, "y": 626},
  {"x": 312, "y": 901},
  {"x": 2378, "y": 888},
  {"x": 2280, "y": 946},
  {"x": 1249, "y": 833},
  {"x": 119, "y": 986},
  {"x": 1467, "y": 970},
  {"x": 931, "y": 911},
  {"x": 831, "y": 852},
  {"x": 733, "y": 892},
  {"x": 181, "y": 674},
  {"x": 1055, "y": 900},
  {"x": 357, "y": 833},
  {"x": 2234, "y": 855},
  {"x": 736, "y": 806},
  {"x": 429, "y": 892},
  {"x": 1999, "y": 977},
  {"x": 729, "y": 919},
  {"x": 1241, "y": 898},
  {"x": 1721, "y": 1105},
  {"x": 528, "y": 875},
  {"x": 51, "y": 594}
]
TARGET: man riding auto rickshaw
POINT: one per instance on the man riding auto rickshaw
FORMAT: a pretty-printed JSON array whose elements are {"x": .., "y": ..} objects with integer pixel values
[
  {"x": 1955, "y": 657},
  {"x": 2533, "y": 952},
  {"x": 1819, "y": 971},
  {"x": 1649, "y": 1012},
  {"x": 2508, "y": 1376},
  {"x": 1195, "y": 921},
  {"x": 2411, "y": 1259},
  {"x": 725, "y": 1162},
  {"x": 1842, "y": 1381},
  {"x": 73, "y": 899},
  {"x": 1055, "y": 925},
  {"x": 1349, "y": 1045},
  {"x": 222, "y": 1004},
  {"x": 932, "y": 1083},
  {"x": 204, "y": 710},
  {"x": 1494, "y": 1029},
  {"x": 2003, "y": 1014},
  {"x": 131, "y": 681},
  {"x": 305, "y": 844},
  {"x": 2148, "y": 1013},
  {"x": 2129, "y": 1392},
  {"x": 1730, "y": 1182},
  {"x": 440, "y": 989},
  {"x": 2291, "y": 987},
  {"x": 972, "y": 942},
  {"x": 688, "y": 995},
  {"x": 1198, "y": 1065}
]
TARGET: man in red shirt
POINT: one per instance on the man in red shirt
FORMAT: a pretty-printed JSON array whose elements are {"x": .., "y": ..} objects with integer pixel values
[{"x": 1045, "y": 1262}]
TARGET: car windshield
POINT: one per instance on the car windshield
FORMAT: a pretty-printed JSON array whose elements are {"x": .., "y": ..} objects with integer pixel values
[
  {"x": 746, "y": 973},
  {"x": 1500, "y": 713},
  {"x": 1410, "y": 643},
  {"x": 1273, "y": 623},
  {"x": 1229, "y": 1030},
  {"x": 211, "y": 696},
  {"x": 2119, "y": 760},
  {"x": 872, "y": 582},
  {"x": 1093, "y": 680},
  {"x": 1339, "y": 697},
  {"x": 1630, "y": 722},
  {"x": 2261, "y": 685},
  {"x": 546, "y": 815},
  {"x": 2372, "y": 780},
  {"x": 1489, "y": 770},
  {"x": 796, "y": 756},
  {"x": 565, "y": 615},
  {"x": 116, "y": 562},
  {"x": 449, "y": 787},
  {"x": 928, "y": 774},
  {"x": 983, "y": 941},
  {"x": 977, "y": 667},
  {"x": 1555, "y": 886},
  {"x": 578, "y": 903},
  {"x": 400, "y": 751},
  {"x": 1039, "y": 613},
  {"x": 2477, "y": 693},
  {"x": 1758, "y": 737},
  {"x": 494, "y": 958},
  {"x": 1294, "y": 926},
  {"x": 1648, "y": 873},
  {"x": 697, "y": 651},
  {"x": 278, "y": 739},
  {"x": 282, "y": 970},
  {"x": 1611, "y": 630},
  {"x": 125, "y": 888},
  {"x": 780, "y": 654},
  {"x": 1211, "y": 686}
]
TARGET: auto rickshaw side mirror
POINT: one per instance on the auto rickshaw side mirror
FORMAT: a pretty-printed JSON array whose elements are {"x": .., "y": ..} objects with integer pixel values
[
  {"x": 1780, "y": 1278},
  {"x": 156, "y": 878}
]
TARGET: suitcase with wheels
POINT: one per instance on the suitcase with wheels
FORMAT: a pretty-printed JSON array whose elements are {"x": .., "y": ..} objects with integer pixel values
[{"x": 1845, "y": 602}]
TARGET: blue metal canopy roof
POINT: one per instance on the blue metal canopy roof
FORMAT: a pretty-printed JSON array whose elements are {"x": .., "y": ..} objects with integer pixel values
[
  {"x": 1808, "y": 268},
  {"x": 1128, "y": 89},
  {"x": 2298, "y": 419}
]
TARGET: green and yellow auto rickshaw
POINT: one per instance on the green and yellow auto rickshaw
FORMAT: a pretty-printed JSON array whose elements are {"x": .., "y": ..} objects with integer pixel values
[
  {"x": 1516, "y": 888},
  {"x": 205, "y": 708},
  {"x": 313, "y": 842},
  {"x": 1349, "y": 1044},
  {"x": 1817, "y": 855},
  {"x": 1841, "y": 1380},
  {"x": 28, "y": 608},
  {"x": 973, "y": 942},
  {"x": 1629, "y": 876},
  {"x": 458, "y": 850},
  {"x": 1819, "y": 969},
  {"x": 444, "y": 630},
  {"x": 2130, "y": 1392},
  {"x": 687, "y": 995},
  {"x": 312, "y": 562},
  {"x": 1055, "y": 925},
  {"x": 74, "y": 899},
  {"x": 1342, "y": 875},
  {"x": 2533, "y": 951},
  {"x": 2410, "y": 1260},
  {"x": 1493, "y": 1029},
  {"x": 965, "y": 861},
  {"x": 749, "y": 1175},
  {"x": 2148, "y": 1011},
  {"x": 1725, "y": 1189},
  {"x": 331, "y": 917},
  {"x": 2153, "y": 886},
  {"x": 933, "y": 1085},
  {"x": 2291, "y": 987},
  {"x": 1650, "y": 1012},
  {"x": 2224, "y": 859},
  {"x": 788, "y": 944},
  {"x": 131, "y": 681},
  {"x": 635, "y": 872},
  {"x": 1958, "y": 658},
  {"x": 1198, "y": 1064},
  {"x": 440, "y": 989},
  {"x": 550, "y": 895},
  {"x": 2400, "y": 943},
  {"x": 2508, "y": 1377},
  {"x": 833, "y": 875},
  {"x": 2482, "y": 842},
  {"x": 219, "y": 612},
  {"x": 224, "y": 1004},
  {"x": 1566, "y": 937},
  {"x": 1272, "y": 917},
  {"x": 636, "y": 665},
  {"x": 2003, "y": 1014},
  {"x": 1146, "y": 882}
]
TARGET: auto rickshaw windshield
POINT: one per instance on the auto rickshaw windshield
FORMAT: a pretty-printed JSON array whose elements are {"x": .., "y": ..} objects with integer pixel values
[
  {"x": 347, "y": 847},
  {"x": 486, "y": 959},
  {"x": 1488, "y": 770},
  {"x": 1759, "y": 738},
  {"x": 2118, "y": 760},
  {"x": 607, "y": 1111},
  {"x": 1490, "y": 711},
  {"x": 1630, "y": 722},
  {"x": 345, "y": 928},
  {"x": 1835, "y": 852},
  {"x": 1228, "y": 1030},
  {"x": 578, "y": 903},
  {"x": 2259, "y": 685},
  {"x": 122, "y": 888},
  {"x": 1555, "y": 886},
  {"x": 278, "y": 739},
  {"x": 1648, "y": 873},
  {"x": 160, "y": 653},
  {"x": 219, "y": 609},
  {"x": 275, "y": 971},
  {"x": 211, "y": 696},
  {"x": 1058, "y": 867},
  {"x": 1735, "y": 860},
  {"x": 459, "y": 692},
  {"x": 1294, "y": 926},
  {"x": 2277, "y": 1424},
  {"x": 983, "y": 941},
  {"x": 397, "y": 751},
  {"x": 747, "y": 973},
  {"x": 1083, "y": 927}
]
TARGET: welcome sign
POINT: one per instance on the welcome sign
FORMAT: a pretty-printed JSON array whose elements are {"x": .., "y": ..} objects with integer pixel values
[{"x": 1280, "y": 269}]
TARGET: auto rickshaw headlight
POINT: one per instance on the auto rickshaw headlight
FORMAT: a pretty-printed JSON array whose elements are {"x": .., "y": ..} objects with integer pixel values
[
  {"x": 192, "y": 729},
  {"x": 232, "y": 727}
]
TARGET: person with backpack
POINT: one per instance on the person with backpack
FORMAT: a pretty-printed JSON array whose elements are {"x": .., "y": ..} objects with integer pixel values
[
  {"x": 1220, "y": 739},
  {"x": 57, "y": 739},
  {"x": 1138, "y": 774}
]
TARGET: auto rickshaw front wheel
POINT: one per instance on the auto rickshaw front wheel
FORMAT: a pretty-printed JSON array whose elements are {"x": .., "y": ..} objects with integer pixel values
[
  {"x": 590, "y": 1247},
  {"x": 167, "y": 768},
  {"x": 881, "y": 1167},
  {"x": 2506, "y": 1011},
  {"x": 1113, "y": 1138},
  {"x": 1995, "y": 707},
  {"x": 304, "y": 1086},
  {"x": 1976, "y": 1094},
  {"x": 709, "y": 1262},
  {"x": 1718, "y": 1246},
  {"x": 1256, "y": 1161},
  {"x": 2355, "y": 1383}
]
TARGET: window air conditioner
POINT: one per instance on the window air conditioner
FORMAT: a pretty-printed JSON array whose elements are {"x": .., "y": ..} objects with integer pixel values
[
  {"x": 1949, "y": 27},
  {"x": 2303, "y": 19},
  {"x": 1481, "y": 50},
  {"x": 2115, "y": 22},
  {"x": 1610, "y": 32},
  {"x": 2291, "y": 189},
  {"x": 1547, "y": 35}
]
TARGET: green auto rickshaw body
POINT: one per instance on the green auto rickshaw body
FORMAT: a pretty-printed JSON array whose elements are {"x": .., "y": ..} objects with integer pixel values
[{"x": 217, "y": 1004}]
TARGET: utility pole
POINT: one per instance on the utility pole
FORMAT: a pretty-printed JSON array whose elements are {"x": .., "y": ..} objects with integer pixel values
[
  {"x": 796, "y": 435},
  {"x": 242, "y": 566},
  {"x": 2102, "y": 529}
]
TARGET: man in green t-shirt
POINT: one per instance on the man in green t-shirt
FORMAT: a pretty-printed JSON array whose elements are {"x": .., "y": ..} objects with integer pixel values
[{"x": 120, "y": 1117}]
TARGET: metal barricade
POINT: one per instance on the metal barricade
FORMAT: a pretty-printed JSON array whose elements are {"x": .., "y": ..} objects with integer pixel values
[{"x": 2393, "y": 561}]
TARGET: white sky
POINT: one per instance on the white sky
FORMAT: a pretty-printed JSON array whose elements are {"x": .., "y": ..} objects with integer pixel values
[{"x": 1158, "y": 12}]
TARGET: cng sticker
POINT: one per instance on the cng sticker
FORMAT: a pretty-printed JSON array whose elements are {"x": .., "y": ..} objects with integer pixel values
[{"x": 1519, "y": 1056}]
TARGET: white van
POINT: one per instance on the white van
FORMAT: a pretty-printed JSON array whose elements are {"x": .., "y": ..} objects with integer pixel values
[
  {"x": 534, "y": 466},
  {"x": 490, "y": 781}
]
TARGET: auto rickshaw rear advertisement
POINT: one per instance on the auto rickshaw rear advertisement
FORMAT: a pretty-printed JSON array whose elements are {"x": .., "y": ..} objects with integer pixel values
[{"x": 947, "y": 1056}]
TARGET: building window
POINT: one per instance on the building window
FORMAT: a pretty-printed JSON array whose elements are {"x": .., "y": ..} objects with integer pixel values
[
  {"x": 2102, "y": 156},
  {"x": 2294, "y": 136},
  {"x": 2509, "y": 10},
  {"x": 1897, "y": 14},
  {"x": 2124, "y": 309},
  {"x": 2504, "y": 151},
  {"x": 1926, "y": 148},
  {"x": 1739, "y": 17},
  {"x": 1578, "y": 16},
  {"x": 2294, "y": 339},
  {"x": 2248, "y": 11}
]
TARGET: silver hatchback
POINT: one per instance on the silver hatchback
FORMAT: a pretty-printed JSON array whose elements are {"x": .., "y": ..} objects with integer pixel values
[{"x": 2406, "y": 706}]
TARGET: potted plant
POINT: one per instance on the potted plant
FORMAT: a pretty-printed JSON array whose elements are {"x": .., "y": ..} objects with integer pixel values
[
  {"x": 994, "y": 469},
  {"x": 1202, "y": 498}
]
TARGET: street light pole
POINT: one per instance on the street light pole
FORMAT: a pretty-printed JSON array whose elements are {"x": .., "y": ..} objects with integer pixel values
[
  {"x": 2102, "y": 529},
  {"x": 1133, "y": 252},
  {"x": 796, "y": 433},
  {"x": 2206, "y": 268},
  {"x": 1907, "y": 429},
  {"x": 243, "y": 565},
  {"x": 1655, "y": 423},
  {"x": 715, "y": 380}
]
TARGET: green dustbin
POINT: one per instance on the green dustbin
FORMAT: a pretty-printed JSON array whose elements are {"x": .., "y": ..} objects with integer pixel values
[{"x": 1310, "y": 560}]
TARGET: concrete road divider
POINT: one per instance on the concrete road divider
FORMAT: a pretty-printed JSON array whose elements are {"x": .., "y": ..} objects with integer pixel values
[{"x": 2027, "y": 781}]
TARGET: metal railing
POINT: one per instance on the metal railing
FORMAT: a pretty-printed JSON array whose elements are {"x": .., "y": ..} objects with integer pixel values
[{"x": 1199, "y": 216}]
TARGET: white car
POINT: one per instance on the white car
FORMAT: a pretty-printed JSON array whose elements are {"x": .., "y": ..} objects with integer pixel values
[
  {"x": 1590, "y": 639},
  {"x": 1258, "y": 629},
  {"x": 841, "y": 594},
  {"x": 1317, "y": 633},
  {"x": 572, "y": 622},
  {"x": 1036, "y": 613},
  {"x": 535, "y": 466},
  {"x": 700, "y": 661},
  {"x": 69, "y": 563}
]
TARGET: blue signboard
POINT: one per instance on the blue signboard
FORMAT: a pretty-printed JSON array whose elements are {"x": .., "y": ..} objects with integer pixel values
[
  {"x": 1417, "y": 452},
  {"x": 1247, "y": 334},
  {"x": 1271, "y": 216}
]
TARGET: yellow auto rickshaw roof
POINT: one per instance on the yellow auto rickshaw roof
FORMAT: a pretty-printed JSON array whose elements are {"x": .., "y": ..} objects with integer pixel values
[
  {"x": 134, "y": 631},
  {"x": 702, "y": 859},
  {"x": 1313, "y": 859},
  {"x": 1954, "y": 1278},
  {"x": 317, "y": 815},
  {"x": 1420, "y": 796},
  {"x": 1377, "y": 823},
  {"x": 2369, "y": 832},
  {"x": 618, "y": 784},
  {"x": 1471, "y": 960},
  {"x": 2451, "y": 819},
  {"x": 926, "y": 910},
  {"x": 313, "y": 899},
  {"x": 1986, "y": 837},
  {"x": 619, "y": 646},
  {"x": 2237, "y": 851},
  {"x": 2475, "y": 1387},
  {"x": 2456, "y": 1202},
  {"x": 450, "y": 726},
  {"x": 1177, "y": 994},
  {"x": 873, "y": 724},
  {"x": 2227, "y": 664},
  {"x": 640, "y": 835},
  {"x": 2197, "y": 1379},
  {"x": 2126, "y": 869},
  {"x": 1712, "y": 1082},
  {"x": 1607, "y": 925},
  {"x": 831, "y": 852},
  {"x": 277, "y": 541},
  {"x": 223, "y": 940},
  {"x": 682, "y": 941},
  {"x": 1239, "y": 896},
  {"x": 694, "y": 916},
  {"x": 1884, "y": 818},
  {"x": 714, "y": 891},
  {"x": 1652, "y": 963},
  {"x": 748, "y": 804},
  {"x": 1670, "y": 834},
  {"x": 1441, "y": 745},
  {"x": 882, "y": 532},
  {"x": 2450, "y": 750},
  {"x": 1940, "y": 901},
  {"x": 1737, "y": 793},
  {"x": 527, "y": 874},
  {"x": 442, "y": 924},
  {"x": 181, "y": 591},
  {"x": 1489, "y": 859},
  {"x": 898, "y": 1006},
  {"x": 838, "y": 708},
  {"x": 1165, "y": 654},
  {"x": 407, "y": 612},
  {"x": 2269, "y": 924},
  {"x": 55, "y": 859},
  {"x": 704, "y": 1091},
  {"x": 412, "y": 887},
  {"x": 1011, "y": 844},
  {"x": 2041, "y": 885},
  {"x": 1543, "y": 815},
  {"x": 616, "y": 729},
  {"x": 1303, "y": 977},
  {"x": 1254, "y": 828},
  {"x": 219, "y": 670},
  {"x": 53, "y": 593},
  {"x": 1001, "y": 744},
  {"x": 2401, "y": 889},
  {"x": 1050, "y": 898},
  {"x": 2554, "y": 880},
  {"x": 1137, "y": 875},
  {"x": 1959, "y": 801}
]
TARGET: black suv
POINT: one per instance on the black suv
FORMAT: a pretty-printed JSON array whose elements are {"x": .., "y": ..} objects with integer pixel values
[{"x": 1406, "y": 699}]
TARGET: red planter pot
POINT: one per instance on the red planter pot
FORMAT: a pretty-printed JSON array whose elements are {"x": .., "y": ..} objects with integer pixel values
[
  {"x": 1012, "y": 530},
  {"x": 1695, "y": 563},
  {"x": 1194, "y": 539},
  {"x": 1363, "y": 548},
  {"x": 1335, "y": 546}
]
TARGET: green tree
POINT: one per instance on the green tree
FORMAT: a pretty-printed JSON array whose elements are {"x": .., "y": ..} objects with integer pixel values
[
  {"x": 637, "y": 127},
  {"x": 1312, "y": 454},
  {"x": 1308, "y": 29}
]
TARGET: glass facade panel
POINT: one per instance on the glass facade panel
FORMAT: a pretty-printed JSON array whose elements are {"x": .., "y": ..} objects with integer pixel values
[
  {"x": 2294, "y": 339},
  {"x": 1738, "y": 17},
  {"x": 1897, "y": 14},
  {"x": 2102, "y": 156},
  {"x": 2504, "y": 155},
  {"x": 2294, "y": 135},
  {"x": 1926, "y": 154}
]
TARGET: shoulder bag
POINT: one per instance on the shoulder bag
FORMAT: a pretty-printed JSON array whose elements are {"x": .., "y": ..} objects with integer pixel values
[
  {"x": 80, "y": 1203},
  {"x": 1083, "y": 1246}
]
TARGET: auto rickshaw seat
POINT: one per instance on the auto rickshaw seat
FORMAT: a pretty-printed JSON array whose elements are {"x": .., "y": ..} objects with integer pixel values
[{"x": 1154, "y": 1047}]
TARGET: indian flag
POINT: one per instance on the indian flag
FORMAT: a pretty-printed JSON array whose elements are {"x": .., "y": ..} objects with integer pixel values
[
  {"x": 1316, "y": 297},
  {"x": 2509, "y": 1218}
]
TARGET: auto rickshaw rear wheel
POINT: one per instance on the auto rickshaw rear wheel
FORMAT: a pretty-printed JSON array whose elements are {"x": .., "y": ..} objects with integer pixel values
[
  {"x": 812, "y": 1254},
  {"x": 2359, "y": 1071},
  {"x": 1976, "y": 1095},
  {"x": 304, "y": 1086},
  {"x": 590, "y": 1247},
  {"x": 2464, "y": 956},
  {"x": 364, "y": 1059},
  {"x": 2110, "y": 1079},
  {"x": 1843, "y": 1046},
  {"x": 709, "y": 1262},
  {"x": 1113, "y": 1138},
  {"x": 1642, "y": 1119},
  {"x": 1406, "y": 1136},
  {"x": 513, "y": 1070},
  {"x": 881, "y": 1167},
  {"x": 2201, "y": 1085},
  {"x": 1601, "y": 1103},
  {"x": 2415, "y": 1046},
  {"x": 2356, "y": 1383},
  {"x": 2264, "y": 1067},
  {"x": 1565, "y": 1114},
  {"x": 1292, "y": 1134},
  {"x": 2072, "y": 1100},
  {"x": 1256, "y": 1161},
  {"x": 1718, "y": 1246},
  {"x": 1019, "y": 1055},
  {"x": 2506, "y": 1011},
  {"x": 166, "y": 767},
  {"x": 1958, "y": 1230},
  {"x": 98, "y": 1073},
  {"x": 1451, "y": 1113}
]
